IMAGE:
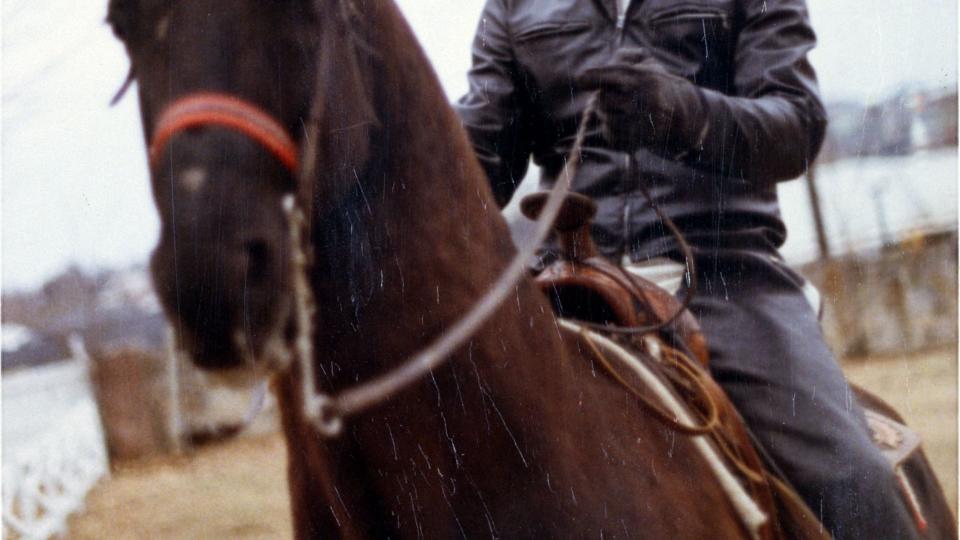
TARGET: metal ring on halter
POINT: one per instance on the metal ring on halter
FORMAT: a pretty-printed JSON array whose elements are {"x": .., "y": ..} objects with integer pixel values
[{"x": 327, "y": 420}]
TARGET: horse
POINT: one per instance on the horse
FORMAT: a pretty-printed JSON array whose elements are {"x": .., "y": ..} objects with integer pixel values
[{"x": 333, "y": 104}]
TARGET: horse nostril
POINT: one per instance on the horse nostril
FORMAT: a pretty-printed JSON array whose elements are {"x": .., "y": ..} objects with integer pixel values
[{"x": 258, "y": 261}]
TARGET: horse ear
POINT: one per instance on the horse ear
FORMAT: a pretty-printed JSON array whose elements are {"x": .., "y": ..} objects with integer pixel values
[{"x": 121, "y": 16}]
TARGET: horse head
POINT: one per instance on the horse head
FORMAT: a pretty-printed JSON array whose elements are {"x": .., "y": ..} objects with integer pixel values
[{"x": 228, "y": 99}]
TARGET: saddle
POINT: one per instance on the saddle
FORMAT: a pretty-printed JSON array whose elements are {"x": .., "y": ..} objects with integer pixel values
[{"x": 584, "y": 286}]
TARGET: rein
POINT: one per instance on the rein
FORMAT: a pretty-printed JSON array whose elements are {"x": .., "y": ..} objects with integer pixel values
[{"x": 326, "y": 412}]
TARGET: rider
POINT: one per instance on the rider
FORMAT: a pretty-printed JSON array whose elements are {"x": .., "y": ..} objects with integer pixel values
[{"x": 710, "y": 103}]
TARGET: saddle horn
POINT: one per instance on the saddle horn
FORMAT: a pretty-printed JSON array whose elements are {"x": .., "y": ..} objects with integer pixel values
[{"x": 572, "y": 224}]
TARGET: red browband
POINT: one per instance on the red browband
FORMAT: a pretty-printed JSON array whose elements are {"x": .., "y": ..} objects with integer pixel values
[{"x": 205, "y": 109}]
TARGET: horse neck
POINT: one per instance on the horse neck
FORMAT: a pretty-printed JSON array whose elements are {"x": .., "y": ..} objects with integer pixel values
[
  {"x": 417, "y": 243},
  {"x": 420, "y": 238}
]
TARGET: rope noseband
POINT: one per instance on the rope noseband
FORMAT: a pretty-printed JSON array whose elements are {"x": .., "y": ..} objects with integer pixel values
[{"x": 223, "y": 110}]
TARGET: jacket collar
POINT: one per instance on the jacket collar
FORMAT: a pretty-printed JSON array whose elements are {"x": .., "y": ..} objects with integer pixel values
[{"x": 610, "y": 9}]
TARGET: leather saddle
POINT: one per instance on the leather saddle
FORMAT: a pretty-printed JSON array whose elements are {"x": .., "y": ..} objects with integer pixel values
[{"x": 584, "y": 285}]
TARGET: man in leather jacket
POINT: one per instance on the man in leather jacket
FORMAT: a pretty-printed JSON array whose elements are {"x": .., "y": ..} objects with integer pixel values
[{"x": 709, "y": 103}]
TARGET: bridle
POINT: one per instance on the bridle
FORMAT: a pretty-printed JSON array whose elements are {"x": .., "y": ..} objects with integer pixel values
[{"x": 327, "y": 412}]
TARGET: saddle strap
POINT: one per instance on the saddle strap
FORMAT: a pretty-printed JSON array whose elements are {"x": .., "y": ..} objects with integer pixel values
[
  {"x": 754, "y": 516},
  {"x": 899, "y": 444},
  {"x": 631, "y": 300},
  {"x": 680, "y": 393}
]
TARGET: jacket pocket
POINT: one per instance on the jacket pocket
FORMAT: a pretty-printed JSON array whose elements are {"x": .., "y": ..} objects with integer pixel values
[
  {"x": 698, "y": 40},
  {"x": 551, "y": 52},
  {"x": 549, "y": 29},
  {"x": 690, "y": 14}
]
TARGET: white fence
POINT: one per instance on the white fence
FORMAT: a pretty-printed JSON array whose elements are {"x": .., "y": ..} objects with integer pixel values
[{"x": 53, "y": 448}]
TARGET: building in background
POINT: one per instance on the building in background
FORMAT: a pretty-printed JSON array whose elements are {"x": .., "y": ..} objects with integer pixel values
[{"x": 887, "y": 187}]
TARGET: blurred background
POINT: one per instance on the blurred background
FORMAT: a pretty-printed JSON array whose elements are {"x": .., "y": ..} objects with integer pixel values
[{"x": 106, "y": 431}]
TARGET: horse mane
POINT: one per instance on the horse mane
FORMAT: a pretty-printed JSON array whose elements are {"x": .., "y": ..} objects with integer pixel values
[
  {"x": 406, "y": 235},
  {"x": 364, "y": 43},
  {"x": 397, "y": 203},
  {"x": 342, "y": 105},
  {"x": 387, "y": 165}
]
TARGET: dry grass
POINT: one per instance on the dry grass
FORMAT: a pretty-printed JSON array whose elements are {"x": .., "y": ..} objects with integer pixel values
[
  {"x": 234, "y": 490},
  {"x": 238, "y": 489}
]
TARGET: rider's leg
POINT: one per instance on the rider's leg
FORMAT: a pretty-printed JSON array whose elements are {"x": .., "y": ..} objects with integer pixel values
[{"x": 769, "y": 355}]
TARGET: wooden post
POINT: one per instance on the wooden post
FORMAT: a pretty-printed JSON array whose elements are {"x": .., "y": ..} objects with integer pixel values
[
  {"x": 175, "y": 420},
  {"x": 817, "y": 211},
  {"x": 886, "y": 239}
]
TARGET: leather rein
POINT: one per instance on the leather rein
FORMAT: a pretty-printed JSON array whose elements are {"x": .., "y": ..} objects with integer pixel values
[{"x": 327, "y": 412}]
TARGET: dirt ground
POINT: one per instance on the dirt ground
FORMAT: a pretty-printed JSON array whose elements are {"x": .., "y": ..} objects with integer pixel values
[
  {"x": 238, "y": 489},
  {"x": 233, "y": 490}
]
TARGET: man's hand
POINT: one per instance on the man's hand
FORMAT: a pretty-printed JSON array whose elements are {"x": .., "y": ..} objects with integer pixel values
[{"x": 642, "y": 105}]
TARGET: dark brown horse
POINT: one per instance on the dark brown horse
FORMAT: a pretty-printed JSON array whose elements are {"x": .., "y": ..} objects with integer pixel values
[{"x": 519, "y": 434}]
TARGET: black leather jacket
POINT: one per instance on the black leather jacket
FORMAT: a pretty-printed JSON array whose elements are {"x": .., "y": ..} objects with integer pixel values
[{"x": 766, "y": 122}]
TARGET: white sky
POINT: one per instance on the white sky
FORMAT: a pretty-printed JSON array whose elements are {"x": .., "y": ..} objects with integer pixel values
[{"x": 74, "y": 181}]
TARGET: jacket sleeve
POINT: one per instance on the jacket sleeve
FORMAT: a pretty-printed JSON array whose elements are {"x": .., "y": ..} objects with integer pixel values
[
  {"x": 773, "y": 127},
  {"x": 495, "y": 110}
]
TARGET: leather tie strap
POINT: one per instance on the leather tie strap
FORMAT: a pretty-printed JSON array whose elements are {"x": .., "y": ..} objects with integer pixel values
[{"x": 213, "y": 109}]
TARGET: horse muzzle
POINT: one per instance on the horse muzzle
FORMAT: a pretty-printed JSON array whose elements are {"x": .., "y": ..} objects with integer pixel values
[{"x": 222, "y": 264}]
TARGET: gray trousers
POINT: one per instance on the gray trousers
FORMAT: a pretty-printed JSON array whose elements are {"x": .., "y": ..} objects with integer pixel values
[{"x": 768, "y": 353}]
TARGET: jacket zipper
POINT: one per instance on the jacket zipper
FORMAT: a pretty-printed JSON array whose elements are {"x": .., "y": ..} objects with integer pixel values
[
  {"x": 620, "y": 30},
  {"x": 627, "y": 173}
]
